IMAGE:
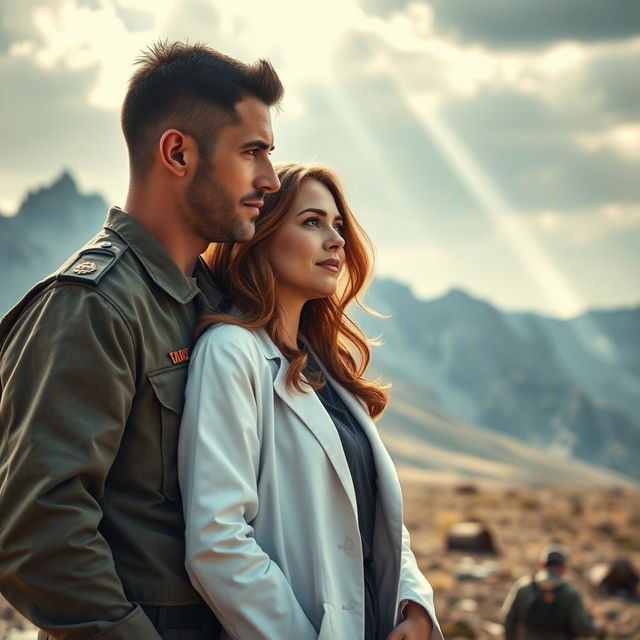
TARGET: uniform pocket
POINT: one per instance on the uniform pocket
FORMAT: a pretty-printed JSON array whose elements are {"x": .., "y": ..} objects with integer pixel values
[{"x": 168, "y": 385}]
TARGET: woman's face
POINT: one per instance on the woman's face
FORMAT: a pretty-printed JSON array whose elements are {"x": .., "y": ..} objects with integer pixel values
[{"x": 307, "y": 251}]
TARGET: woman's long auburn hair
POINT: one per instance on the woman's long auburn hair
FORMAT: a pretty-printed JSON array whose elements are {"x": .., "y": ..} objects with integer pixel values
[{"x": 244, "y": 271}]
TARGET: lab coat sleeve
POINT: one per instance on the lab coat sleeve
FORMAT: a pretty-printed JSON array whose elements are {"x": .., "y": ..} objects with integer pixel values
[
  {"x": 219, "y": 466},
  {"x": 414, "y": 586}
]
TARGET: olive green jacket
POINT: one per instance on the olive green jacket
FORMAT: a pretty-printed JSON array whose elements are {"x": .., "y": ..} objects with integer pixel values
[
  {"x": 521, "y": 597},
  {"x": 93, "y": 364}
]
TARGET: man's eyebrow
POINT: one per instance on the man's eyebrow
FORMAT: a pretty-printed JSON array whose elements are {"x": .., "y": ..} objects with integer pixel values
[
  {"x": 320, "y": 212},
  {"x": 261, "y": 144}
]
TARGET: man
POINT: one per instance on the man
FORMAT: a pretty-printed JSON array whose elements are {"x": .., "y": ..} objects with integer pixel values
[
  {"x": 545, "y": 606},
  {"x": 93, "y": 361}
]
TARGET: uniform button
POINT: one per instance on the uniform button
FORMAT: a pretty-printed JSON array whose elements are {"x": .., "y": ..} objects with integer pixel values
[
  {"x": 347, "y": 606},
  {"x": 106, "y": 244}
]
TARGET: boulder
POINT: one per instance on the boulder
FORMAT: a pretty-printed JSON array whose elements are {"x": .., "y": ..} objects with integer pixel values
[
  {"x": 617, "y": 578},
  {"x": 470, "y": 537}
]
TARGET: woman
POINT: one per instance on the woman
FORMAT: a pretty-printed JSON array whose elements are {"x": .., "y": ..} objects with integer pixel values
[{"x": 292, "y": 505}]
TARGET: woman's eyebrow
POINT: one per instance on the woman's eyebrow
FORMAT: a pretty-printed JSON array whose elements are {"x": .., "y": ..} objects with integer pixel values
[{"x": 320, "y": 212}]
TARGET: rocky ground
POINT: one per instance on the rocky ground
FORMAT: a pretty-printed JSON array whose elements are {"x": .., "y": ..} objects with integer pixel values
[{"x": 595, "y": 526}]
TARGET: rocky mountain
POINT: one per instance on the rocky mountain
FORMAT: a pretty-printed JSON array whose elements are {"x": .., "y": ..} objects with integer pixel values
[
  {"x": 568, "y": 387},
  {"x": 500, "y": 397},
  {"x": 50, "y": 224},
  {"x": 599, "y": 349}
]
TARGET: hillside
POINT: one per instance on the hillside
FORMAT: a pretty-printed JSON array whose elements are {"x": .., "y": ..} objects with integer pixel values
[
  {"x": 478, "y": 392},
  {"x": 556, "y": 385}
]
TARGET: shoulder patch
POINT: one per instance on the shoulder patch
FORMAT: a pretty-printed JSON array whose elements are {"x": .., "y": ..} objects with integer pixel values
[{"x": 92, "y": 263}]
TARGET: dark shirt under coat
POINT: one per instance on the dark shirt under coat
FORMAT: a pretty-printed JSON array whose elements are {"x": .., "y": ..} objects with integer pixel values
[{"x": 359, "y": 455}]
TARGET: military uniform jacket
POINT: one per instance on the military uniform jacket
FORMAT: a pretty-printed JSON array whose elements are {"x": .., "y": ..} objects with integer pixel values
[
  {"x": 93, "y": 365},
  {"x": 520, "y": 598}
]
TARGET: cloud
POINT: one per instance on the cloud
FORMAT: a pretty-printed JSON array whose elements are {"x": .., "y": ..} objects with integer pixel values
[
  {"x": 600, "y": 256},
  {"x": 519, "y": 24},
  {"x": 519, "y": 118},
  {"x": 536, "y": 155},
  {"x": 553, "y": 124},
  {"x": 536, "y": 124},
  {"x": 613, "y": 77},
  {"x": 48, "y": 125},
  {"x": 195, "y": 20},
  {"x": 621, "y": 139},
  {"x": 134, "y": 19},
  {"x": 396, "y": 175},
  {"x": 587, "y": 227},
  {"x": 599, "y": 264},
  {"x": 16, "y": 21},
  {"x": 6, "y": 39}
]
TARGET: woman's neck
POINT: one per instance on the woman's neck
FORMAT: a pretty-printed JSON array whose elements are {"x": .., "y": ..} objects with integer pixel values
[{"x": 289, "y": 314}]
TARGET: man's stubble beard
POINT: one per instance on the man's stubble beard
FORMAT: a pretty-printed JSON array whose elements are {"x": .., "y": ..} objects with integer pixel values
[{"x": 212, "y": 213}]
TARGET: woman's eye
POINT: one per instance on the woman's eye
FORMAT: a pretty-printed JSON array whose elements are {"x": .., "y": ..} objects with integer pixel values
[
  {"x": 312, "y": 222},
  {"x": 339, "y": 228}
]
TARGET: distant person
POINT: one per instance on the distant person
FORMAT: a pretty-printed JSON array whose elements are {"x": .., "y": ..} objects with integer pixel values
[
  {"x": 93, "y": 361},
  {"x": 292, "y": 505},
  {"x": 547, "y": 607}
]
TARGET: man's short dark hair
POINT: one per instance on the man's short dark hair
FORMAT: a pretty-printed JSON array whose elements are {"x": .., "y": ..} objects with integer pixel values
[
  {"x": 553, "y": 556},
  {"x": 192, "y": 88}
]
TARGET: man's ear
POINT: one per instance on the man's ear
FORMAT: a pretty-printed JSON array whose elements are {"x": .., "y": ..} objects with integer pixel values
[{"x": 178, "y": 152}]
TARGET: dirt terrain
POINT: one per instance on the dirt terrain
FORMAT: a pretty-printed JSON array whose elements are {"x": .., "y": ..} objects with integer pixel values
[{"x": 595, "y": 526}]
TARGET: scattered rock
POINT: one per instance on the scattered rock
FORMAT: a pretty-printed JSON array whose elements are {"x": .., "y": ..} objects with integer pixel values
[
  {"x": 466, "y": 604},
  {"x": 493, "y": 629},
  {"x": 467, "y": 490},
  {"x": 22, "y": 634},
  {"x": 518, "y": 517},
  {"x": 618, "y": 578},
  {"x": 472, "y": 537},
  {"x": 470, "y": 569},
  {"x": 606, "y": 528},
  {"x": 611, "y": 614},
  {"x": 458, "y": 629}
]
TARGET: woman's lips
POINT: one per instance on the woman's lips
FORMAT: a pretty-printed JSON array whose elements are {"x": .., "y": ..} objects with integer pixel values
[{"x": 331, "y": 265}]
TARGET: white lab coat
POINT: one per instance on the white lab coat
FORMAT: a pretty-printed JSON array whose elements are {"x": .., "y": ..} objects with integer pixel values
[{"x": 272, "y": 533}]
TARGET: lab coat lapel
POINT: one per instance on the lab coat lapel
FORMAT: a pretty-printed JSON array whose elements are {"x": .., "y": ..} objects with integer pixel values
[
  {"x": 308, "y": 408},
  {"x": 388, "y": 485}
]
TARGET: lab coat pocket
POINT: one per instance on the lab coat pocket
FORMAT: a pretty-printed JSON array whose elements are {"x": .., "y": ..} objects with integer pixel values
[{"x": 168, "y": 385}]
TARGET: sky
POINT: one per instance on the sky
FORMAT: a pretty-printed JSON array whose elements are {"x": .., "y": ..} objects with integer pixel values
[{"x": 492, "y": 146}]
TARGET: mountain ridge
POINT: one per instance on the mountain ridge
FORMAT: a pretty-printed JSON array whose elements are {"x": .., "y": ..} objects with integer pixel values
[
  {"x": 569, "y": 388},
  {"x": 490, "y": 368}
]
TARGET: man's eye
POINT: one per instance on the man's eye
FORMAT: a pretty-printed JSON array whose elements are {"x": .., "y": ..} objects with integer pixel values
[{"x": 252, "y": 152}]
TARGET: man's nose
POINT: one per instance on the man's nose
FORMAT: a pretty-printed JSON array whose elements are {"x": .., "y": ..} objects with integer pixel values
[{"x": 268, "y": 181}]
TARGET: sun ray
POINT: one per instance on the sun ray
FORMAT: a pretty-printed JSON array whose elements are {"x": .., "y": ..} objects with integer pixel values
[{"x": 556, "y": 288}]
